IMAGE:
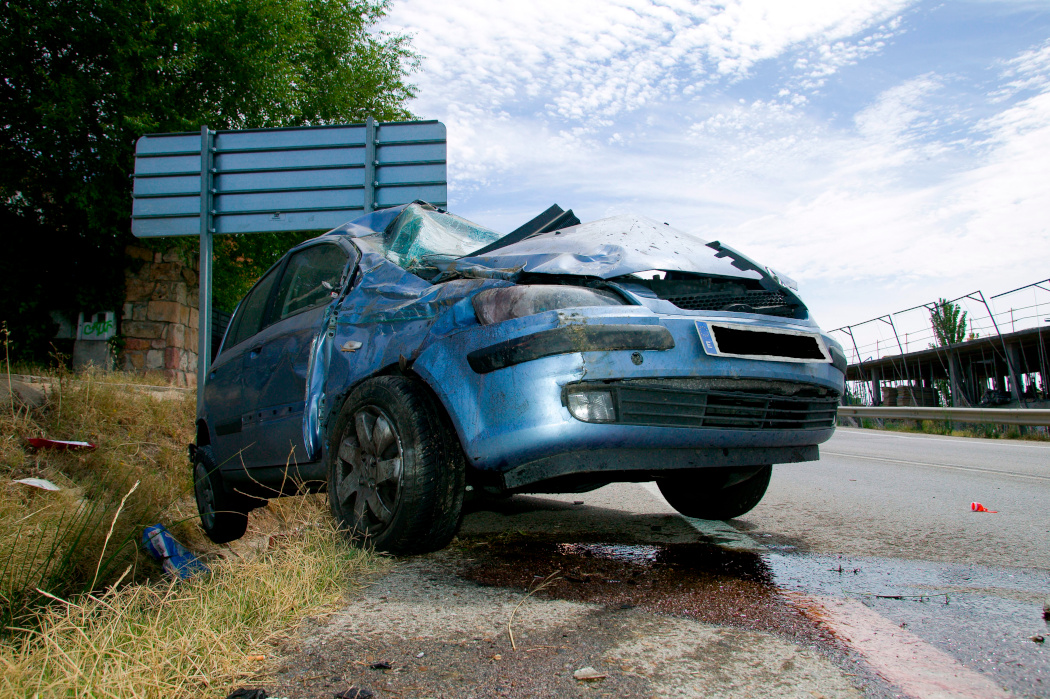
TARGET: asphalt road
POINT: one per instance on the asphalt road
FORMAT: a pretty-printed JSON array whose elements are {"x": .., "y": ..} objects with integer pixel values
[
  {"x": 876, "y": 493},
  {"x": 883, "y": 520}
]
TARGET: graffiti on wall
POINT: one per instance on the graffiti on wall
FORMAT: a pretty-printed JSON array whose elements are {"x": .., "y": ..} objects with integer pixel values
[{"x": 100, "y": 326}]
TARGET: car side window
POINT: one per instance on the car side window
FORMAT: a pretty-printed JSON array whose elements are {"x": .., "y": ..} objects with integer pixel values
[
  {"x": 310, "y": 278},
  {"x": 250, "y": 315}
]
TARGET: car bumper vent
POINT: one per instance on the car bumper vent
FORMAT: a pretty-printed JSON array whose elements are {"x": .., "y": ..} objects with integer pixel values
[
  {"x": 763, "y": 302},
  {"x": 723, "y": 409}
]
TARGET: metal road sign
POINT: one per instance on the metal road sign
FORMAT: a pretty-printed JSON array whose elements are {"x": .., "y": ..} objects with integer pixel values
[
  {"x": 262, "y": 180},
  {"x": 288, "y": 179}
]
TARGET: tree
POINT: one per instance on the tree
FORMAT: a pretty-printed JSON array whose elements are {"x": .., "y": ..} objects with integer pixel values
[
  {"x": 949, "y": 322},
  {"x": 81, "y": 80}
]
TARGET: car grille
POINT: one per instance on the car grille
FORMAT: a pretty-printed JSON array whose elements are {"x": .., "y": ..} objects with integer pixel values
[
  {"x": 719, "y": 301},
  {"x": 712, "y": 409}
]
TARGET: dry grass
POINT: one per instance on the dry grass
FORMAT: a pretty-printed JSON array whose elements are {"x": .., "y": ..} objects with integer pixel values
[
  {"x": 83, "y": 613},
  {"x": 62, "y": 541},
  {"x": 202, "y": 636}
]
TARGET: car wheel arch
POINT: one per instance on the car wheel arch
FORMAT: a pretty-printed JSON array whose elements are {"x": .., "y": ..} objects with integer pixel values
[
  {"x": 203, "y": 436},
  {"x": 392, "y": 370}
]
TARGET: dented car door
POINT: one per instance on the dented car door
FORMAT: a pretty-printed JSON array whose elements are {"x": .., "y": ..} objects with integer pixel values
[{"x": 277, "y": 360}]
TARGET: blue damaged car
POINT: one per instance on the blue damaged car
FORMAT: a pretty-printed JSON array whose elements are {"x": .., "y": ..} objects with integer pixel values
[{"x": 409, "y": 356}]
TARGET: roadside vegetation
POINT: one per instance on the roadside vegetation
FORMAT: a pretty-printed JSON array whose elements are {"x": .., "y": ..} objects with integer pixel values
[
  {"x": 84, "y": 611},
  {"x": 949, "y": 428},
  {"x": 84, "y": 80},
  {"x": 68, "y": 541}
]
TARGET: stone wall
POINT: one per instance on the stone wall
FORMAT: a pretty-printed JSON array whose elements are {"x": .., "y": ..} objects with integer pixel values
[{"x": 160, "y": 316}]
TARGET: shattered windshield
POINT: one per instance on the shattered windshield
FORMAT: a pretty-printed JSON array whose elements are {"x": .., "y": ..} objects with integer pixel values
[{"x": 421, "y": 235}]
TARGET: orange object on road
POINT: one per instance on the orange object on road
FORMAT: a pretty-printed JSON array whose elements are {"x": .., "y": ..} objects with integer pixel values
[{"x": 978, "y": 507}]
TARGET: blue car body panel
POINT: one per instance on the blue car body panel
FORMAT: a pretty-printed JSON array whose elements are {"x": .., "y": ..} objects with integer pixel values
[{"x": 513, "y": 422}]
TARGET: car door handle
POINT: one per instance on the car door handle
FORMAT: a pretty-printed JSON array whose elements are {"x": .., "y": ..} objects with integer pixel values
[{"x": 254, "y": 352}]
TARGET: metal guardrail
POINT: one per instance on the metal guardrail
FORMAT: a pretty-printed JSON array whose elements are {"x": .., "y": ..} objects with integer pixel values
[{"x": 992, "y": 416}]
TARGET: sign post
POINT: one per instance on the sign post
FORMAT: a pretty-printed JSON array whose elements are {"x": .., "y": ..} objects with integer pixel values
[
  {"x": 204, "y": 264},
  {"x": 310, "y": 178}
]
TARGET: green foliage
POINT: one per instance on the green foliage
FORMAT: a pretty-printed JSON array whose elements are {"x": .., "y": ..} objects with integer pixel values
[
  {"x": 241, "y": 259},
  {"x": 949, "y": 322},
  {"x": 83, "y": 79}
]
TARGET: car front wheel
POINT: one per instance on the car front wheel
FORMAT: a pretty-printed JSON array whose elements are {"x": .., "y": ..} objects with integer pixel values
[
  {"x": 715, "y": 493},
  {"x": 396, "y": 475}
]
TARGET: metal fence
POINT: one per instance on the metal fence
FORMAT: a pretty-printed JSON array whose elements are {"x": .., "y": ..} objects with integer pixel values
[{"x": 910, "y": 330}]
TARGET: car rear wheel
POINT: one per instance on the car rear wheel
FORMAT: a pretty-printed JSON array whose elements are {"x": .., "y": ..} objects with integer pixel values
[
  {"x": 715, "y": 493},
  {"x": 224, "y": 516},
  {"x": 396, "y": 476}
]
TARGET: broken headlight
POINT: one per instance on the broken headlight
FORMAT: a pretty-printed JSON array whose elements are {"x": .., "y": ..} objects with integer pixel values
[{"x": 498, "y": 305}]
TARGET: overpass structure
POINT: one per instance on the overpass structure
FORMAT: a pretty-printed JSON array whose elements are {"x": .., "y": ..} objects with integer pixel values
[
  {"x": 972, "y": 369},
  {"x": 1003, "y": 361}
]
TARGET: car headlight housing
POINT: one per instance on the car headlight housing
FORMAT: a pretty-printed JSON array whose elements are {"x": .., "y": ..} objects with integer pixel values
[{"x": 497, "y": 305}]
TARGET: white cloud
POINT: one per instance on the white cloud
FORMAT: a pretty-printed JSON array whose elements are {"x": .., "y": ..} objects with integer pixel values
[
  {"x": 651, "y": 107},
  {"x": 598, "y": 58},
  {"x": 1028, "y": 71}
]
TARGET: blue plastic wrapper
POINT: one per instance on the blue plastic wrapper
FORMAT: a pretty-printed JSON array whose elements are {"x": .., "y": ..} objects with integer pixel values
[{"x": 173, "y": 556}]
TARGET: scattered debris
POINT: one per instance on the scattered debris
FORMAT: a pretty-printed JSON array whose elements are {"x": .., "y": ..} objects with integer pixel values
[
  {"x": 1038, "y": 639},
  {"x": 355, "y": 693},
  {"x": 419, "y": 654},
  {"x": 497, "y": 656},
  {"x": 381, "y": 665},
  {"x": 978, "y": 507},
  {"x": 256, "y": 658},
  {"x": 588, "y": 674},
  {"x": 245, "y": 693},
  {"x": 1046, "y": 609},
  {"x": 38, "y": 483},
  {"x": 173, "y": 556},
  {"x": 59, "y": 444}
]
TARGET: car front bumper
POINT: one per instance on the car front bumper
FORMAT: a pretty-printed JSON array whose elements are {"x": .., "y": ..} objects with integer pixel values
[{"x": 508, "y": 400}]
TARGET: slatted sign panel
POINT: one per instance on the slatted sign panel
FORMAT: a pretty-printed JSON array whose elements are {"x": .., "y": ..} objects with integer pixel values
[{"x": 263, "y": 180}]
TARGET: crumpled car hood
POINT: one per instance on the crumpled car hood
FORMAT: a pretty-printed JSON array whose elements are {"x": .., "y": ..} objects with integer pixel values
[{"x": 607, "y": 248}]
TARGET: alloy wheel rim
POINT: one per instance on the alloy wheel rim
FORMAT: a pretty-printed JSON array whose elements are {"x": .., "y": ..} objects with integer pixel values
[{"x": 369, "y": 470}]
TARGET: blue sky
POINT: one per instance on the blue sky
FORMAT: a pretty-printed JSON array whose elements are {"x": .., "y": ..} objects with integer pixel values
[{"x": 882, "y": 152}]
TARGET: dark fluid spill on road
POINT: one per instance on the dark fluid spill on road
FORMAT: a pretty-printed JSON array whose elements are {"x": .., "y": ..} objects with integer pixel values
[{"x": 700, "y": 581}]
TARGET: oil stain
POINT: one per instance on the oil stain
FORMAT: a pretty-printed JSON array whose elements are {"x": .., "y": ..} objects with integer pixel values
[{"x": 695, "y": 580}]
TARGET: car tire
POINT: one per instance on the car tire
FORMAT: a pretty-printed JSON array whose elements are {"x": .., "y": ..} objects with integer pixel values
[
  {"x": 396, "y": 474},
  {"x": 224, "y": 516},
  {"x": 715, "y": 493}
]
